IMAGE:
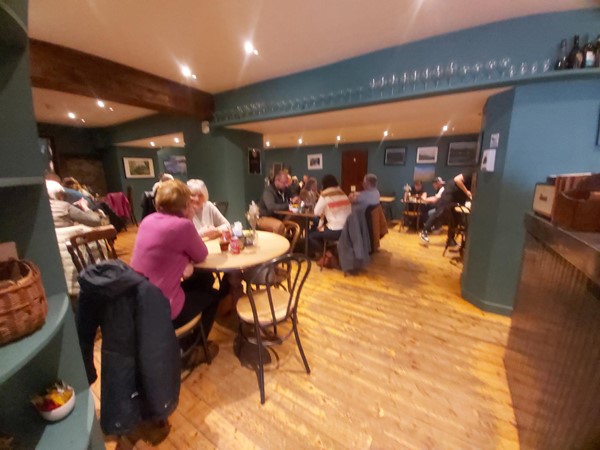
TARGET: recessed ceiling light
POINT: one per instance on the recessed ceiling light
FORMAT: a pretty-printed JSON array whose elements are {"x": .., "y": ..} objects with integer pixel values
[
  {"x": 186, "y": 71},
  {"x": 385, "y": 133},
  {"x": 445, "y": 128},
  {"x": 83, "y": 120},
  {"x": 152, "y": 143},
  {"x": 194, "y": 76},
  {"x": 255, "y": 52},
  {"x": 249, "y": 48},
  {"x": 72, "y": 115},
  {"x": 338, "y": 138},
  {"x": 300, "y": 141},
  {"x": 176, "y": 140},
  {"x": 268, "y": 144},
  {"x": 111, "y": 108},
  {"x": 100, "y": 103}
]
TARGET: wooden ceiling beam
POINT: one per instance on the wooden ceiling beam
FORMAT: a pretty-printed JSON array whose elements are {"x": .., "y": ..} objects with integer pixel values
[{"x": 67, "y": 70}]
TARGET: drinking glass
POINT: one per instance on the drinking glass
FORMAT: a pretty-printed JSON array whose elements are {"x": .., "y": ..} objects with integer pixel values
[
  {"x": 392, "y": 81},
  {"x": 465, "y": 72},
  {"x": 451, "y": 71},
  {"x": 523, "y": 69},
  {"x": 546, "y": 66},
  {"x": 438, "y": 72},
  {"x": 503, "y": 66},
  {"x": 490, "y": 68},
  {"x": 404, "y": 80},
  {"x": 373, "y": 86},
  {"x": 414, "y": 79},
  {"x": 426, "y": 76},
  {"x": 477, "y": 69},
  {"x": 534, "y": 68},
  {"x": 512, "y": 71}
]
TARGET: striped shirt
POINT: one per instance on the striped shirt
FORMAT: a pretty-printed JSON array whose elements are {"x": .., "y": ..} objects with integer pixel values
[{"x": 335, "y": 206}]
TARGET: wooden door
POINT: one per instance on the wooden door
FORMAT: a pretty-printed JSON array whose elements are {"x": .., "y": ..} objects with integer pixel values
[{"x": 355, "y": 164}]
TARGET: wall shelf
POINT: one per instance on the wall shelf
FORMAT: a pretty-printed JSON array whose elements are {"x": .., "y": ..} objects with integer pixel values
[
  {"x": 20, "y": 181},
  {"x": 16, "y": 354}
]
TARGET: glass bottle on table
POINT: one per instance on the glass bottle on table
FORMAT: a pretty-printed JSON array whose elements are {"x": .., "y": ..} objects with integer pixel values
[
  {"x": 588, "y": 55},
  {"x": 562, "y": 63},
  {"x": 576, "y": 55}
]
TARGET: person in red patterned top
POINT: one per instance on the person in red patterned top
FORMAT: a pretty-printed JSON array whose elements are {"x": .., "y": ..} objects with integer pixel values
[{"x": 334, "y": 208}]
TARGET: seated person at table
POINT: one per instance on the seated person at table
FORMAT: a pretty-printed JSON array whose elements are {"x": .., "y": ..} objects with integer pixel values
[
  {"x": 276, "y": 196},
  {"x": 416, "y": 191},
  {"x": 162, "y": 178},
  {"x": 431, "y": 202},
  {"x": 334, "y": 205},
  {"x": 166, "y": 247},
  {"x": 310, "y": 193},
  {"x": 207, "y": 218},
  {"x": 294, "y": 186},
  {"x": 65, "y": 214},
  {"x": 458, "y": 190},
  {"x": 369, "y": 196}
]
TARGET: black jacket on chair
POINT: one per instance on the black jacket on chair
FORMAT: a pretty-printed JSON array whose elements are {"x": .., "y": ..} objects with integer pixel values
[{"x": 141, "y": 362}]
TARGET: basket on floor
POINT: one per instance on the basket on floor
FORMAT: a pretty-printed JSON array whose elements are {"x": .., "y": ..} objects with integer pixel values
[{"x": 23, "y": 304}]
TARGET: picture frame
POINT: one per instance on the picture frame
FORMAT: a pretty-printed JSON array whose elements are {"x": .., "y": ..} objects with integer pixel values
[
  {"x": 427, "y": 155},
  {"x": 315, "y": 161},
  {"x": 395, "y": 156},
  {"x": 138, "y": 167},
  {"x": 463, "y": 153},
  {"x": 175, "y": 165},
  {"x": 254, "y": 161}
]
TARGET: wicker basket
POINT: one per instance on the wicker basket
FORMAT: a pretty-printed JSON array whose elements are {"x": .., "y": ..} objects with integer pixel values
[{"x": 23, "y": 304}]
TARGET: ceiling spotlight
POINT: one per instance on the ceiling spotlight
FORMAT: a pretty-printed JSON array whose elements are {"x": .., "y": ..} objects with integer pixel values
[
  {"x": 176, "y": 140},
  {"x": 445, "y": 128},
  {"x": 186, "y": 71},
  {"x": 385, "y": 133},
  {"x": 100, "y": 103},
  {"x": 152, "y": 144},
  {"x": 268, "y": 144},
  {"x": 300, "y": 141},
  {"x": 338, "y": 138},
  {"x": 249, "y": 48},
  {"x": 83, "y": 120},
  {"x": 111, "y": 108},
  {"x": 194, "y": 76},
  {"x": 255, "y": 52},
  {"x": 72, "y": 115}
]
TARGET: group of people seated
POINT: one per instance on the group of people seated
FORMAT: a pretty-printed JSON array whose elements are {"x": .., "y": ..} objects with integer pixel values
[{"x": 331, "y": 206}]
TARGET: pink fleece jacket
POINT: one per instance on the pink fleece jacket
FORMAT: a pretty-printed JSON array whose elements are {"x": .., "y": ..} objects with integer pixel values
[{"x": 164, "y": 245}]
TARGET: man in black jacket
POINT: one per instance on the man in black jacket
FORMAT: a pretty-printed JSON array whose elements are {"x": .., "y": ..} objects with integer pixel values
[
  {"x": 141, "y": 363},
  {"x": 276, "y": 196}
]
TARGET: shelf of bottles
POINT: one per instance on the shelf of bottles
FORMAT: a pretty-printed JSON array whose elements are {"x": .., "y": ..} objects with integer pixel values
[{"x": 581, "y": 61}]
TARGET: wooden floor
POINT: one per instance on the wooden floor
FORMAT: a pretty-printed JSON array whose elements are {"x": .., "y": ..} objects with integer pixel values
[{"x": 398, "y": 359}]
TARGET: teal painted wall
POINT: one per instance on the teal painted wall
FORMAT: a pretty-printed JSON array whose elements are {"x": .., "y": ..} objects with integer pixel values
[
  {"x": 391, "y": 179},
  {"x": 526, "y": 39},
  {"x": 553, "y": 127}
]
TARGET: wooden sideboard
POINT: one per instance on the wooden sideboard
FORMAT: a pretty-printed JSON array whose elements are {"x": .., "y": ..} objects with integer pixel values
[{"x": 553, "y": 354}]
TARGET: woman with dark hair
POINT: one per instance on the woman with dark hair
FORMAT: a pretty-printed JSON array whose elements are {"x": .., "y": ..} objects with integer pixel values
[
  {"x": 166, "y": 247},
  {"x": 310, "y": 193},
  {"x": 334, "y": 207}
]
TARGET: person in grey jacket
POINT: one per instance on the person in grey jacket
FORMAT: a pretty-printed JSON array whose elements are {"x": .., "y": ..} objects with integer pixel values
[
  {"x": 276, "y": 196},
  {"x": 354, "y": 244}
]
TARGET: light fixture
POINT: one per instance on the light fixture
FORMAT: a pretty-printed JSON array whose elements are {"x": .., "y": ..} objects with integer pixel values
[
  {"x": 152, "y": 144},
  {"x": 176, "y": 140},
  {"x": 100, "y": 103},
  {"x": 111, "y": 108},
  {"x": 83, "y": 120},
  {"x": 72, "y": 115},
  {"x": 268, "y": 144},
  {"x": 338, "y": 138},
  {"x": 249, "y": 48},
  {"x": 186, "y": 71},
  {"x": 194, "y": 76},
  {"x": 385, "y": 133},
  {"x": 444, "y": 128},
  {"x": 300, "y": 141}
]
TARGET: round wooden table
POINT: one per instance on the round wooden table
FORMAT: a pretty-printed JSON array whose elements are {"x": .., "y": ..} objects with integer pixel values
[{"x": 269, "y": 246}]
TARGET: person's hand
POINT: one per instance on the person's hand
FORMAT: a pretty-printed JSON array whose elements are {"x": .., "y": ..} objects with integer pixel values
[
  {"x": 188, "y": 271},
  {"x": 82, "y": 204},
  {"x": 469, "y": 195},
  {"x": 213, "y": 233}
]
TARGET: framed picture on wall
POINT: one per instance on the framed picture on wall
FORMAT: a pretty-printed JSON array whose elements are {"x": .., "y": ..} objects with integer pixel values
[
  {"x": 254, "y": 165},
  {"x": 395, "y": 156},
  {"x": 315, "y": 161},
  {"x": 138, "y": 167},
  {"x": 427, "y": 155},
  {"x": 462, "y": 153},
  {"x": 175, "y": 165}
]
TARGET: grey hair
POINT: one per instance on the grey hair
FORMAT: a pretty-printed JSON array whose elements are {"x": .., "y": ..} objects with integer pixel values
[
  {"x": 198, "y": 187},
  {"x": 371, "y": 180}
]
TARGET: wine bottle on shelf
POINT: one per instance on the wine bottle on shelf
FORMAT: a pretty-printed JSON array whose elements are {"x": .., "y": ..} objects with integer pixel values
[
  {"x": 576, "y": 55},
  {"x": 589, "y": 56},
  {"x": 562, "y": 62},
  {"x": 597, "y": 52}
]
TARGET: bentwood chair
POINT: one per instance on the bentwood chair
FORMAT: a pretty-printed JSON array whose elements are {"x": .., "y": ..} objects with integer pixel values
[
  {"x": 270, "y": 315},
  {"x": 459, "y": 221},
  {"x": 96, "y": 246}
]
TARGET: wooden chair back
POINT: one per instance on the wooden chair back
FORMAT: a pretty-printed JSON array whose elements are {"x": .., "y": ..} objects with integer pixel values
[
  {"x": 292, "y": 233},
  {"x": 93, "y": 246}
]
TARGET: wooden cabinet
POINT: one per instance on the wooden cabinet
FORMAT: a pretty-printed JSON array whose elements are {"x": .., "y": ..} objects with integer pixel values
[{"x": 30, "y": 364}]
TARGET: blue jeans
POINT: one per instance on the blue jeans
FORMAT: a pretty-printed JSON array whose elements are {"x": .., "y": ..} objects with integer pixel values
[{"x": 316, "y": 238}]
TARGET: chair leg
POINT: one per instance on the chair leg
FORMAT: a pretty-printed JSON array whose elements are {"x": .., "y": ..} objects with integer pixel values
[
  {"x": 205, "y": 344},
  {"x": 295, "y": 327},
  {"x": 261, "y": 371}
]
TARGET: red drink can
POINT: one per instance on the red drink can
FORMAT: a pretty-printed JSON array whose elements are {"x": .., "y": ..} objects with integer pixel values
[{"x": 234, "y": 246}]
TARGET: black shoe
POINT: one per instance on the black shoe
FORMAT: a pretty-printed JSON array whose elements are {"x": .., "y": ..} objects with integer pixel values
[{"x": 424, "y": 236}]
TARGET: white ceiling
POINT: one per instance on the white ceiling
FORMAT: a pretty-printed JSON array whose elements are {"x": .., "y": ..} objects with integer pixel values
[{"x": 157, "y": 37}]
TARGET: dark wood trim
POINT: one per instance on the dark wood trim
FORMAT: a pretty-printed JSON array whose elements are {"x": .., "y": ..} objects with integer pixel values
[{"x": 67, "y": 70}]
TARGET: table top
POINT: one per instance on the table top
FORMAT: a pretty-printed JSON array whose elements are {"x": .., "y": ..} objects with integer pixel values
[
  {"x": 269, "y": 246},
  {"x": 387, "y": 199},
  {"x": 295, "y": 214}
]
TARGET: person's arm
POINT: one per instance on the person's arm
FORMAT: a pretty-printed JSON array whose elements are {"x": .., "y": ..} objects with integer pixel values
[
  {"x": 194, "y": 247},
  {"x": 89, "y": 218},
  {"x": 460, "y": 182},
  {"x": 218, "y": 220}
]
